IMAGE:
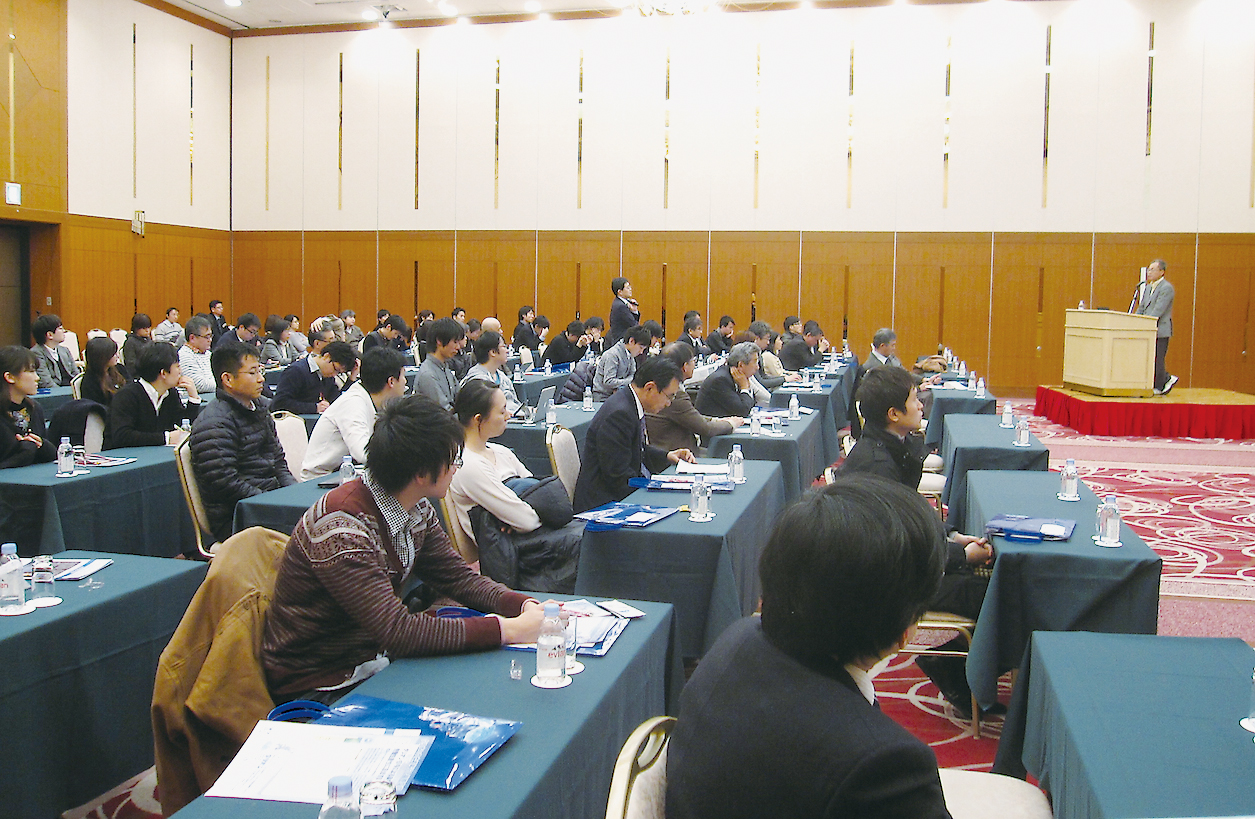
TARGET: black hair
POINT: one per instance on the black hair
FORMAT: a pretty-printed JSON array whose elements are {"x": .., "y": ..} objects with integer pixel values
[
  {"x": 488, "y": 341},
  {"x": 524, "y": 310},
  {"x": 15, "y": 359},
  {"x": 660, "y": 370},
  {"x": 154, "y": 359},
  {"x": 689, "y": 314},
  {"x": 575, "y": 328},
  {"x": 44, "y": 326},
  {"x": 678, "y": 352},
  {"x": 789, "y": 321},
  {"x": 229, "y": 358},
  {"x": 617, "y": 284},
  {"x": 97, "y": 354},
  {"x": 812, "y": 328},
  {"x": 456, "y": 310},
  {"x": 443, "y": 331},
  {"x": 378, "y": 365},
  {"x": 291, "y": 317},
  {"x": 275, "y": 325},
  {"x": 214, "y": 303},
  {"x": 139, "y": 321},
  {"x": 724, "y": 321},
  {"x": 883, "y": 389},
  {"x": 654, "y": 328},
  {"x": 849, "y": 568},
  {"x": 692, "y": 323},
  {"x": 397, "y": 323},
  {"x": 170, "y": 310},
  {"x": 342, "y": 353},
  {"x": 595, "y": 322},
  {"x": 472, "y": 325},
  {"x": 423, "y": 315},
  {"x": 474, "y": 398},
  {"x": 413, "y": 436},
  {"x": 640, "y": 334},
  {"x": 249, "y": 321},
  {"x": 540, "y": 322},
  {"x": 382, "y": 314}
]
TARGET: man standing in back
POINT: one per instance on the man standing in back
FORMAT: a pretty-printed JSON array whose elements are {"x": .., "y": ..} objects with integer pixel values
[{"x": 625, "y": 313}]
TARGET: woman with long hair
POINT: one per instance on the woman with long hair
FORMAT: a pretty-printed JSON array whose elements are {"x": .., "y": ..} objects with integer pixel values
[{"x": 102, "y": 378}]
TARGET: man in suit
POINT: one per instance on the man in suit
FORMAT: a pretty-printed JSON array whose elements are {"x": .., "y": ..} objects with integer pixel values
[
  {"x": 729, "y": 390},
  {"x": 680, "y": 425},
  {"x": 720, "y": 341},
  {"x": 57, "y": 367},
  {"x": 217, "y": 323},
  {"x": 247, "y": 328},
  {"x": 884, "y": 350},
  {"x": 806, "y": 351},
  {"x": 616, "y": 368},
  {"x": 692, "y": 336},
  {"x": 386, "y": 335},
  {"x": 1155, "y": 299},
  {"x": 625, "y": 313},
  {"x": 616, "y": 446},
  {"x": 308, "y": 385},
  {"x": 148, "y": 411},
  {"x": 846, "y": 573}
]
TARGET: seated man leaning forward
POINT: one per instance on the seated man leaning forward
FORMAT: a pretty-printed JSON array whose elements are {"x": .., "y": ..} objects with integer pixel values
[
  {"x": 337, "y": 608},
  {"x": 845, "y": 575}
]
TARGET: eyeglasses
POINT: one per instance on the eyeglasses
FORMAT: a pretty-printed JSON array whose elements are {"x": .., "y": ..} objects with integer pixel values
[
  {"x": 202, "y": 335},
  {"x": 669, "y": 396}
]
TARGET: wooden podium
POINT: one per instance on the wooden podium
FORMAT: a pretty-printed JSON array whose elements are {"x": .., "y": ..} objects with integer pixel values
[{"x": 1109, "y": 353}]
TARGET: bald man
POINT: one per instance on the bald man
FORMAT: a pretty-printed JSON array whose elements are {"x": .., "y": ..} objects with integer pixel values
[{"x": 490, "y": 324}]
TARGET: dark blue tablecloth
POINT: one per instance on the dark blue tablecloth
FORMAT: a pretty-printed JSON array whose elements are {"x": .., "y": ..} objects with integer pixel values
[
  {"x": 278, "y": 509},
  {"x": 76, "y": 682},
  {"x": 977, "y": 442},
  {"x": 558, "y": 765},
  {"x": 825, "y": 403},
  {"x": 1072, "y": 585},
  {"x": 954, "y": 402},
  {"x": 800, "y": 452},
  {"x": 527, "y": 441},
  {"x": 54, "y": 398},
  {"x": 1130, "y": 726},
  {"x": 135, "y": 508},
  {"x": 709, "y": 571},
  {"x": 535, "y": 381}
]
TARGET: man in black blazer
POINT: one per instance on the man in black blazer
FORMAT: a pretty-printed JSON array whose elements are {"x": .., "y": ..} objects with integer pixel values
[
  {"x": 625, "y": 313},
  {"x": 148, "y": 411},
  {"x": 780, "y": 718},
  {"x": 308, "y": 385},
  {"x": 692, "y": 336},
  {"x": 720, "y": 341},
  {"x": 615, "y": 448},
  {"x": 729, "y": 390},
  {"x": 806, "y": 351}
]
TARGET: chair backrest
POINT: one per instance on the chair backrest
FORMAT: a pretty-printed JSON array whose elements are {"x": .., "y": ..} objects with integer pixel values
[
  {"x": 466, "y": 549},
  {"x": 979, "y": 795},
  {"x": 76, "y": 386},
  {"x": 94, "y": 433},
  {"x": 638, "y": 788},
  {"x": 95, "y": 332},
  {"x": 525, "y": 358},
  {"x": 118, "y": 335},
  {"x": 191, "y": 494},
  {"x": 71, "y": 344},
  {"x": 564, "y": 456},
  {"x": 293, "y": 437}
]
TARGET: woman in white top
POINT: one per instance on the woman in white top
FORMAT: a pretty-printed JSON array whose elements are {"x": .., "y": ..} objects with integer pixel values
[
  {"x": 770, "y": 359},
  {"x": 481, "y": 407}
]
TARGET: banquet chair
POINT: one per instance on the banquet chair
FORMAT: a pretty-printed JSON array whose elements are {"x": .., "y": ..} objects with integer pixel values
[
  {"x": 205, "y": 542},
  {"x": 76, "y": 386},
  {"x": 978, "y": 795},
  {"x": 293, "y": 437},
  {"x": 464, "y": 547},
  {"x": 94, "y": 433},
  {"x": 638, "y": 788},
  {"x": 945, "y": 621},
  {"x": 118, "y": 335},
  {"x": 71, "y": 344},
  {"x": 564, "y": 456}
]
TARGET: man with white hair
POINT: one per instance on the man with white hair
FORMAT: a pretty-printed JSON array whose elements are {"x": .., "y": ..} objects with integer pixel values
[{"x": 729, "y": 390}]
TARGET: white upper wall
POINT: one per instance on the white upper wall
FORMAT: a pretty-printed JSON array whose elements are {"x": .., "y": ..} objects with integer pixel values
[{"x": 135, "y": 141}]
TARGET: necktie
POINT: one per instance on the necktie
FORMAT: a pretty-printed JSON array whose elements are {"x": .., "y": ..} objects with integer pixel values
[{"x": 645, "y": 473}]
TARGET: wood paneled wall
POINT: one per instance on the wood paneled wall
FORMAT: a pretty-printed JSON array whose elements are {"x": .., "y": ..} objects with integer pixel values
[{"x": 997, "y": 299}]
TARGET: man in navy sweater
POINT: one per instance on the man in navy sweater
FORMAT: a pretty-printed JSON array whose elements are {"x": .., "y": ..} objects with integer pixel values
[
  {"x": 149, "y": 411},
  {"x": 308, "y": 385}
]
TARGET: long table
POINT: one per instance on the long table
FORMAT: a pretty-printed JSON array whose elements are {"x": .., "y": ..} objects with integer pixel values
[
  {"x": 279, "y": 509},
  {"x": 1129, "y": 726},
  {"x": 709, "y": 571},
  {"x": 800, "y": 452},
  {"x": 134, "y": 508},
  {"x": 825, "y": 402},
  {"x": 76, "y": 682},
  {"x": 948, "y": 401},
  {"x": 1072, "y": 585},
  {"x": 527, "y": 441},
  {"x": 53, "y": 399},
  {"x": 558, "y": 765},
  {"x": 977, "y": 442}
]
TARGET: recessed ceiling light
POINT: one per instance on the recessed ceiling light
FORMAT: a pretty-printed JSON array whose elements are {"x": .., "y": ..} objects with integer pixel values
[
  {"x": 370, "y": 14},
  {"x": 532, "y": 6},
  {"x": 448, "y": 10},
  {"x": 234, "y": 3}
]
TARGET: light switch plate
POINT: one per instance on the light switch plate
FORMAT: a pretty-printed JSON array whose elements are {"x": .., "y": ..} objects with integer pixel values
[{"x": 12, "y": 193}]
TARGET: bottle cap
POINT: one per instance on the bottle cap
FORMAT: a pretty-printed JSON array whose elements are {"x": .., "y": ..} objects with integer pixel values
[
  {"x": 736, "y": 447},
  {"x": 339, "y": 786},
  {"x": 65, "y": 439},
  {"x": 551, "y": 609},
  {"x": 8, "y": 549}
]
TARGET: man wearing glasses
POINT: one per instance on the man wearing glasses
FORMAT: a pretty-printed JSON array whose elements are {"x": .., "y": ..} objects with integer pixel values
[
  {"x": 308, "y": 385},
  {"x": 194, "y": 355},
  {"x": 246, "y": 329},
  {"x": 617, "y": 447},
  {"x": 235, "y": 449}
]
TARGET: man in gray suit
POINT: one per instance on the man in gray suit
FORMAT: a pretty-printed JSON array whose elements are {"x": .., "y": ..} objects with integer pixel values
[
  {"x": 1155, "y": 299},
  {"x": 57, "y": 367},
  {"x": 616, "y": 368}
]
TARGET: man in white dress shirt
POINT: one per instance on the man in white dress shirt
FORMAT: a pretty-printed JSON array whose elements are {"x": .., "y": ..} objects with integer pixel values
[{"x": 347, "y": 424}]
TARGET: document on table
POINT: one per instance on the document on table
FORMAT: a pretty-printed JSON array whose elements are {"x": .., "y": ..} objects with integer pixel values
[
  {"x": 291, "y": 762},
  {"x": 686, "y": 468},
  {"x": 67, "y": 569}
]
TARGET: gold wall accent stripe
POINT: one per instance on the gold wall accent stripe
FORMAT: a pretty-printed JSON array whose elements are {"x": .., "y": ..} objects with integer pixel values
[
  {"x": 340, "y": 143},
  {"x": 1252, "y": 203},
  {"x": 1150, "y": 84},
  {"x": 496, "y": 142},
  {"x": 134, "y": 110},
  {"x": 758, "y": 114},
  {"x": 417, "y": 86},
  {"x": 579, "y": 150},
  {"x": 1045, "y": 124},
  {"x": 267, "y": 141},
  {"x": 945, "y": 155},
  {"x": 191, "y": 124},
  {"x": 666, "y": 139},
  {"x": 849, "y": 136}
]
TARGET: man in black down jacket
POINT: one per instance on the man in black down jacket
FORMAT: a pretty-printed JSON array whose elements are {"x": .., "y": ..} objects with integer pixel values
[{"x": 235, "y": 450}]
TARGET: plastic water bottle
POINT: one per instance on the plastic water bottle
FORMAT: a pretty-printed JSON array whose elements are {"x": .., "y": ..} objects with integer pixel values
[
  {"x": 845, "y": 348},
  {"x": 65, "y": 458},
  {"x": 43, "y": 578},
  {"x": 1109, "y": 522},
  {"x": 971, "y": 379},
  {"x": 551, "y": 415},
  {"x": 756, "y": 423},
  {"x": 736, "y": 465},
  {"x": 588, "y": 399},
  {"x": 1082, "y": 305},
  {"x": 980, "y": 388},
  {"x": 1021, "y": 432},
  {"x": 699, "y": 501},
  {"x": 548, "y": 368},
  {"x": 12, "y": 586},
  {"x": 1008, "y": 417},
  {"x": 962, "y": 369},
  {"x": 186, "y": 426},
  {"x": 794, "y": 412},
  {"x": 347, "y": 472},
  {"x": 1069, "y": 481},
  {"x": 551, "y": 646},
  {"x": 518, "y": 373},
  {"x": 341, "y": 803}
]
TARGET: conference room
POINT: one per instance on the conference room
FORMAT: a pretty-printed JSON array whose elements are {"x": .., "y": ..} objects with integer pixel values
[{"x": 970, "y": 174}]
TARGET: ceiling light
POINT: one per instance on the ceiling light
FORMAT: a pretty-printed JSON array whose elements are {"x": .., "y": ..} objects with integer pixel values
[
  {"x": 370, "y": 14},
  {"x": 544, "y": 16},
  {"x": 532, "y": 6},
  {"x": 234, "y": 3},
  {"x": 448, "y": 10}
]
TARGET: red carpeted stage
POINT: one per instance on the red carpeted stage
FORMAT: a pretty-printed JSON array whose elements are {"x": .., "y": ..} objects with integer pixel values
[{"x": 1183, "y": 413}]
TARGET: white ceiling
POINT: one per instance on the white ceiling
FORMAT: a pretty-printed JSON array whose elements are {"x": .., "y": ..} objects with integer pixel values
[{"x": 272, "y": 13}]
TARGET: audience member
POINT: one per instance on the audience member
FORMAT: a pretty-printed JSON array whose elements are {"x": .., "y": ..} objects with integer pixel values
[
  {"x": 845, "y": 575},
  {"x": 806, "y": 351},
  {"x": 277, "y": 350},
  {"x": 792, "y": 329},
  {"x": 235, "y": 450},
  {"x": 22, "y": 426},
  {"x": 298, "y": 340},
  {"x": 656, "y": 337},
  {"x": 596, "y": 329},
  {"x": 771, "y": 373},
  {"x": 616, "y": 447},
  {"x": 321, "y": 334},
  {"x": 148, "y": 411},
  {"x": 567, "y": 347},
  {"x": 352, "y": 333},
  {"x": 169, "y": 330},
  {"x": 436, "y": 378},
  {"x": 692, "y": 336},
  {"x": 308, "y": 385},
  {"x": 625, "y": 313},
  {"x": 217, "y": 323},
  {"x": 524, "y": 332},
  {"x": 381, "y": 317},
  {"x": 194, "y": 355},
  {"x": 246, "y": 329},
  {"x": 102, "y": 379},
  {"x": 139, "y": 338},
  {"x": 57, "y": 367},
  {"x": 386, "y": 334},
  {"x": 459, "y": 315},
  {"x": 541, "y": 326},
  {"x": 336, "y": 607},
  {"x": 616, "y": 368},
  {"x": 344, "y": 429},
  {"x": 680, "y": 425},
  {"x": 465, "y": 359},
  {"x": 884, "y": 350},
  {"x": 491, "y": 354},
  {"x": 720, "y": 341},
  {"x": 729, "y": 390},
  {"x": 491, "y": 324}
]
